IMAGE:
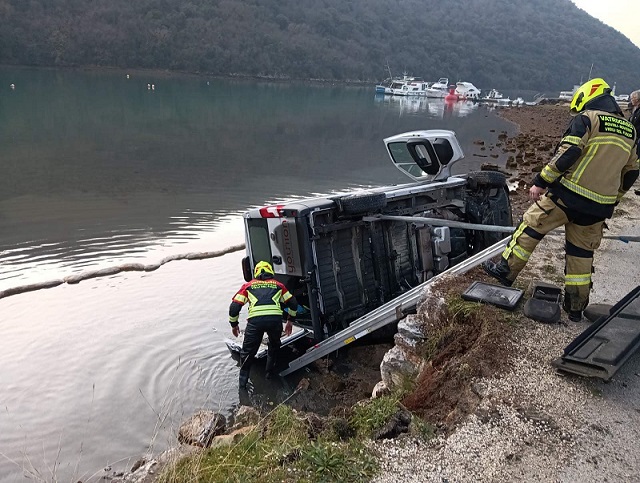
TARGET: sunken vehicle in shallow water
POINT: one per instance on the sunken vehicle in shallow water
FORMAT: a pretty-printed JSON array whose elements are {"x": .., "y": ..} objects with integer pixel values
[{"x": 345, "y": 255}]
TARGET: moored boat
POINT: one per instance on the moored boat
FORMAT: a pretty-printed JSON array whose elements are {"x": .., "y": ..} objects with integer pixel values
[
  {"x": 466, "y": 90},
  {"x": 493, "y": 96},
  {"x": 438, "y": 89},
  {"x": 408, "y": 86},
  {"x": 568, "y": 95}
]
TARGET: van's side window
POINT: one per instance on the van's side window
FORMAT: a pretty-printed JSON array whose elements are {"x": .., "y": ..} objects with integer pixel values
[{"x": 259, "y": 240}]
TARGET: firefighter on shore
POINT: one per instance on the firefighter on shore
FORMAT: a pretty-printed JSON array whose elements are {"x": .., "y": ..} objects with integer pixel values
[
  {"x": 594, "y": 165},
  {"x": 265, "y": 296}
]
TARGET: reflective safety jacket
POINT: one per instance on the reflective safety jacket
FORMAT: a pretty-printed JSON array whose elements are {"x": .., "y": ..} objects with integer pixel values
[
  {"x": 595, "y": 163},
  {"x": 264, "y": 297}
]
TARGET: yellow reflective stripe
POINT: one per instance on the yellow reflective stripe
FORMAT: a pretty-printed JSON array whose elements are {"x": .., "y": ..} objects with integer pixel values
[
  {"x": 521, "y": 253},
  {"x": 591, "y": 195},
  {"x": 579, "y": 279},
  {"x": 575, "y": 140},
  {"x": 291, "y": 312},
  {"x": 591, "y": 152},
  {"x": 592, "y": 149},
  {"x": 286, "y": 296},
  {"x": 549, "y": 174},
  {"x": 612, "y": 140},
  {"x": 258, "y": 310},
  {"x": 513, "y": 242},
  {"x": 241, "y": 299},
  {"x": 233, "y": 319}
]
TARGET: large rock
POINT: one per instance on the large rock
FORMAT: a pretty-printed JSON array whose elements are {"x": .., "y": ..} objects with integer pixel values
[
  {"x": 404, "y": 362},
  {"x": 246, "y": 416},
  {"x": 400, "y": 365},
  {"x": 200, "y": 429},
  {"x": 410, "y": 331}
]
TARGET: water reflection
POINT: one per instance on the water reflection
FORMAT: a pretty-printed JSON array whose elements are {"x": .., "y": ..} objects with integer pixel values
[{"x": 434, "y": 108}]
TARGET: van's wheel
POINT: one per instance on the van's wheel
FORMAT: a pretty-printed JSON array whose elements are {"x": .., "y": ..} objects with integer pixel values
[
  {"x": 487, "y": 204},
  {"x": 483, "y": 179},
  {"x": 362, "y": 203}
]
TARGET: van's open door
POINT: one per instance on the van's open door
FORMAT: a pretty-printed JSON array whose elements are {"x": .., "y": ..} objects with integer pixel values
[{"x": 425, "y": 155}]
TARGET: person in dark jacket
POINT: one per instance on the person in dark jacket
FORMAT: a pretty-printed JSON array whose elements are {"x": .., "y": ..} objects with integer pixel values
[
  {"x": 265, "y": 296},
  {"x": 634, "y": 103},
  {"x": 594, "y": 165}
]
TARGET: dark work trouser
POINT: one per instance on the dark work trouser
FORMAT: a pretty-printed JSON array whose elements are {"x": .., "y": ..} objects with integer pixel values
[
  {"x": 583, "y": 235},
  {"x": 256, "y": 328}
]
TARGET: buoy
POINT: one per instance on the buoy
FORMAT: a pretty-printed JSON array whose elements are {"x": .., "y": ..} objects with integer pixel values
[
  {"x": 153, "y": 87},
  {"x": 452, "y": 96},
  {"x": 127, "y": 76},
  {"x": 148, "y": 86},
  {"x": 13, "y": 86}
]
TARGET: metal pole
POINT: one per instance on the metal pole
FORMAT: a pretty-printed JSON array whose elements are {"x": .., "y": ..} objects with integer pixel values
[{"x": 441, "y": 222}]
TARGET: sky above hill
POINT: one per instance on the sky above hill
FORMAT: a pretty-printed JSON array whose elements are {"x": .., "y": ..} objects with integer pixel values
[{"x": 622, "y": 15}]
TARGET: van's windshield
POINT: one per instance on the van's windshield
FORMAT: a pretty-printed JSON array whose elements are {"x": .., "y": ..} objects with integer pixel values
[{"x": 259, "y": 240}]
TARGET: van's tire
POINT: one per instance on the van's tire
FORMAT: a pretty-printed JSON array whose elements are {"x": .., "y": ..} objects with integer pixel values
[
  {"x": 487, "y": 204},
  {"x": 362, "y": 203},
  {"x": 482, "y": 179}
]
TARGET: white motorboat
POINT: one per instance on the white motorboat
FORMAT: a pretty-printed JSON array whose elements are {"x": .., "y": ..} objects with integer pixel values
[
  {"x": 408, "y": 86},
  {"x": 466, "y": 90},
  {"x": 438, "y": 89},
  {"x": 493, "y": 96},
  {"x": 568, "y": 95}
]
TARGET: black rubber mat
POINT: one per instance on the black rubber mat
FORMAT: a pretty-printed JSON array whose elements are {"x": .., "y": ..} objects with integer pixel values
[
  {"x": 503, "y": 297},
  {"x": 602, "y": 349}
]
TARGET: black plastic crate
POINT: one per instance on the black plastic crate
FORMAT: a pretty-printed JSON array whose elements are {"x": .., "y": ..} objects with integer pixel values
[{"x": 503, "y": 297}]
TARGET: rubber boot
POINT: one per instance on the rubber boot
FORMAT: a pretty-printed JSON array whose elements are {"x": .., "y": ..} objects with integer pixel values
[
  {"x": 271, "y": 364},
  {"x": 573, "y": 315},
  {"x": 243, "y": 379},
  {"x": 500, "y": 271}
]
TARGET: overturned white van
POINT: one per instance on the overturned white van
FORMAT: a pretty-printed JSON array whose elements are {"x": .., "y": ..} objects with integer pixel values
[{"x": 345, "y": 255}]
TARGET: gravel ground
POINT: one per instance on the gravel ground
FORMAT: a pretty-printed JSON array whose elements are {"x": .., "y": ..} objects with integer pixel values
[{"x": 535, "y": 424}]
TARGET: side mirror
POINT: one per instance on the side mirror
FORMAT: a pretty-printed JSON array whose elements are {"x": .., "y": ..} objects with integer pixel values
[{"x": 246, "y": 269}]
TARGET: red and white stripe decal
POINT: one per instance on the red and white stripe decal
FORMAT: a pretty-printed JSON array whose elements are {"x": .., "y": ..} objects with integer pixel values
[{"x": 271, "y": 211}]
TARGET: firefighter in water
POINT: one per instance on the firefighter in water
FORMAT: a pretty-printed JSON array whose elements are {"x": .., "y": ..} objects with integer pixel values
[
  {"x": 265, "y": 296},
  {"x": 594, "y": 165}
]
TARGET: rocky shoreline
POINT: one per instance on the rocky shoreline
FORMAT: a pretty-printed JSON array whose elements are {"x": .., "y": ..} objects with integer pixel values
[{"x": 499, "y": 411}]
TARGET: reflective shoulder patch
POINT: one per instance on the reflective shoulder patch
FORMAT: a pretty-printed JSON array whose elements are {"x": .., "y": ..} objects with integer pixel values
[{"x": 615, "y": 125}]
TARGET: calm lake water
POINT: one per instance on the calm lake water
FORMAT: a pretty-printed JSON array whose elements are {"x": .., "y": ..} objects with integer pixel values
[{"x": 98, "y": 169}]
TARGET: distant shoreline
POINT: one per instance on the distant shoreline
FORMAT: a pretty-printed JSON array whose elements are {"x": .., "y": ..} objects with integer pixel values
[{"x": 165, "y": 73}]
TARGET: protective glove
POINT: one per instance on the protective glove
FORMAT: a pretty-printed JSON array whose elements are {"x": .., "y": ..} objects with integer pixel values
[
  {"x": 235, "y": 331},
  {"x": 288, "y": 328}
]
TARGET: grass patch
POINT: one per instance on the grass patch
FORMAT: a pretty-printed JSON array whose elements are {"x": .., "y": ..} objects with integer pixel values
[
  {"x": 280, "y": 449},
  {"x": 460, "y": 308},
  {"x": 374, "y": 414}
]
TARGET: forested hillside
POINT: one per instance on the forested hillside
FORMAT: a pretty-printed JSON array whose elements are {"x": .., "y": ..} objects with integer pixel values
[{"x": 526, "y": 44}]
